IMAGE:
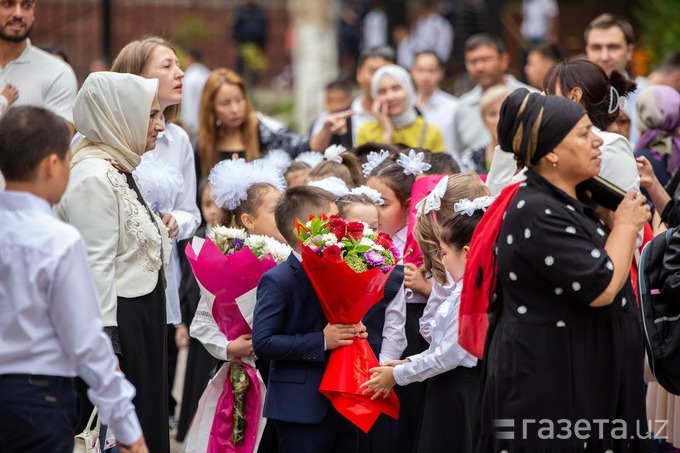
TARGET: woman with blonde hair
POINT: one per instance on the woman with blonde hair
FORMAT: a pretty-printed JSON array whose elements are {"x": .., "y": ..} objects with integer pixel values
[{"x": 230, "y": 128}]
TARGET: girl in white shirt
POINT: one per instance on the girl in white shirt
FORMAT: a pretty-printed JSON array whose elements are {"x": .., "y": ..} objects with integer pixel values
[{"x": 450, "y": 407}]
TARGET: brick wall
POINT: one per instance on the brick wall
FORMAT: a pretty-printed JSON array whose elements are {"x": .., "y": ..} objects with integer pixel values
[{"x": 76, "y": 27}]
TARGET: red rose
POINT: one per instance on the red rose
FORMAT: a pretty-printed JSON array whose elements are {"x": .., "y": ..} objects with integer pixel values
[
  {"x": 338, "y": 227},
  {"x": 333, "y": 252},
  {"x": 384, "y": 240},
  {"x": 355, "y": 229}
]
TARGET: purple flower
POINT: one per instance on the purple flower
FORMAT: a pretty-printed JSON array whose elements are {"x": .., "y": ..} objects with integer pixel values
[
  {"x": 237, "y": 245},
  {"x": 395, "y": 252},
  {"x": 374, "y": 259},
  {"x": 386, "y": 269}
]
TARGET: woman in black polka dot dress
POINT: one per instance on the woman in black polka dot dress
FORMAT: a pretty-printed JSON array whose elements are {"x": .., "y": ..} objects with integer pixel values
[{"x": 564, "y": 357}]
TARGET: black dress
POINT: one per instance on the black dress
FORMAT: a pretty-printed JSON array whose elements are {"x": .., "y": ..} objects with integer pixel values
[
  {"x": 550, "y": 357},
  {"x": 142, "y": 332},
  {"x": 201, "y": 366}
]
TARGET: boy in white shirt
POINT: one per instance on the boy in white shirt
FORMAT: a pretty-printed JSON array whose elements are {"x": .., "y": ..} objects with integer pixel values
[{"x": 51, "y": 327}]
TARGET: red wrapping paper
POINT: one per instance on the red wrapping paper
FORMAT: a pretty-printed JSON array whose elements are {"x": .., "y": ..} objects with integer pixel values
[{"x": 345, "y": 297}]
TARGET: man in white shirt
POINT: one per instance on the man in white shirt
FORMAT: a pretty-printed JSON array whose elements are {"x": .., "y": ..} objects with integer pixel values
[
  {"x": 610, "y": 43},
  {"x": 436, "y": 106},
  {"x": 431, "y": 32},
  {"x": 40, "y": 78},
  {"x": 487, "y": 62},
  {"x": 51, "y": 326},
  {"x": 195, "y": 76}
]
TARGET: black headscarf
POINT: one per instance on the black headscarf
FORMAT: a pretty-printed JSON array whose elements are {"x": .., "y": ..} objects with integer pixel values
[{"x": 532, "y": 125}]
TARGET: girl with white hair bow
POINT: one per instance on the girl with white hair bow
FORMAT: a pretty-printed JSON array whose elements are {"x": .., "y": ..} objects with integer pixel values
[{"x": 397, "y": 120}]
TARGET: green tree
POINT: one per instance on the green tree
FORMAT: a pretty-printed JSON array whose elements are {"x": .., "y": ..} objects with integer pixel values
[{"x": 659, "y": 31}]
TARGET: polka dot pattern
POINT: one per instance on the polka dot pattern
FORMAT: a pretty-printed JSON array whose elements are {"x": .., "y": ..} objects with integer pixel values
[
  {"x": 527, "y": 233},
  {"x": 561, "y": 324},
  {"x": 520, "y": 204},
  {"x": 512, "y": 276},
  {"x": 522, "y": 310},
  {"x": 576, "y": 286},
  {"x": 549, "y": 260},
  {"x": 596, "y": 253},
  {"x": 570, "y": 230}
]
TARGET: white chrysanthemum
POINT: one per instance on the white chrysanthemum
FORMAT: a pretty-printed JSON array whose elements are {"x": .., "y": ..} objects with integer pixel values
[
  {"x": 264, "y": 245},
  {"x": 366, "y": 241},
  {"x": 235, "y": 233},
  {"x": 368, "y": 231},
  {"x": 377, "y": 247},
  {"x": 329, "y": 239}
]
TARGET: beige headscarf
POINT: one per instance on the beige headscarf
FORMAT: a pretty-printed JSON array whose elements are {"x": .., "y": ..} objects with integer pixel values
[{"x": 112, "y": 111}]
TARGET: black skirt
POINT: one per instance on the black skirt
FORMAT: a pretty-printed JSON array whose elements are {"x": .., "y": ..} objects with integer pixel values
[
  {"x": 142, "y": 331},
  {"x": 450, "y": 412}
]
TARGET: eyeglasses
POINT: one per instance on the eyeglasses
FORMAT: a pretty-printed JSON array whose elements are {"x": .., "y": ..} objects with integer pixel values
[{"x": 25, "y": 4}]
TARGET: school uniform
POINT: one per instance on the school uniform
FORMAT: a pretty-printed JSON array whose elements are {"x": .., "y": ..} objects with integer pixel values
[
  {"x": 450, "y": 405},
  {"x": 288, "y": 325}
]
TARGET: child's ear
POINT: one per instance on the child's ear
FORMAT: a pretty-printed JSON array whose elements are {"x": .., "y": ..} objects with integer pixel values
[
  {"x": 407, "y": 205},
  {"x": 247, "y": 220},
  {"x": 466, "y": 250}
]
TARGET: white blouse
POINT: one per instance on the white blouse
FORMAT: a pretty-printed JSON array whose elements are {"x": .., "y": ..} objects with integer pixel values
[{"x": 444, "y": 353}]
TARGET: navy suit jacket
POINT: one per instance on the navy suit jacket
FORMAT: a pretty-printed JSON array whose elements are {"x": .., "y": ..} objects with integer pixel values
[{"x": 288, "y": 328}]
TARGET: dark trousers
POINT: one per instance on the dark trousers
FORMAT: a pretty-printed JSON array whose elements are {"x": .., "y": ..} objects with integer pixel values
[
  {"x": 335, "y": 434},
  {"x": 37, "y": 414}
]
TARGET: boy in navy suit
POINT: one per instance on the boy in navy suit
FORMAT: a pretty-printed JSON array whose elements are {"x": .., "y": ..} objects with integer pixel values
[{"x": 290, "y": 330}]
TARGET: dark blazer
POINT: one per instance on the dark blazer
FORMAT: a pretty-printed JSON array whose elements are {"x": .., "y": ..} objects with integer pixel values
[{"x": 288, "y": 328}]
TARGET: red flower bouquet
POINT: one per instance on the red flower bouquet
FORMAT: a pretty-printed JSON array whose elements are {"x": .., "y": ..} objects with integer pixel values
[{"x": 348, "y": 265}]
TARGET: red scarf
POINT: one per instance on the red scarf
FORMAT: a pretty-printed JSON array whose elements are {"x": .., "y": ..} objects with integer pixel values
[{"x": 481, "y": 273}]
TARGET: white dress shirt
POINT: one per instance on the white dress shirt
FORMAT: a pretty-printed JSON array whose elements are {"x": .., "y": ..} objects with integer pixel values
[
  {"x": 434, "y": 33},
  {"x": 374, "y": 29},
  {"x": 192, "y": 87},
  {"x": 444, "y": 353},
  {"x": 394, "y": 329},
  {"x": 174, "y": 149},
  {"x": 440, "y": 110},
  {"x": 437, "y": 296},
  {"x": 51, "y": 322},
  {"x": 470, "y": 131}
]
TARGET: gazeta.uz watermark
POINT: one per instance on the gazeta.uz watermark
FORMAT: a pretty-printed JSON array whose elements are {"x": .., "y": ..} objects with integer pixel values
[{"x": 563, "y": 429}]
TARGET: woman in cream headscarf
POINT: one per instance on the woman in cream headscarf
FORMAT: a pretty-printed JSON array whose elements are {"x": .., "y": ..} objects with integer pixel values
[
  {"x": 127, "y": 244},
  {"x": 397, "y": 120}
]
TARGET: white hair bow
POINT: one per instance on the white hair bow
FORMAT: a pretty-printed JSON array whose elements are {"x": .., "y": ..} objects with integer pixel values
[
  {"x": 311, "y": 158},
  {"x": 373, "y": 160},
  {"x": 370, "y": 193},
  {"x": 331, "y": 184},
  {"x": 333, "y": 152},
  {"x": 468, "y": 207},
  {"x": 433, "y": 200},
  {"x": 413, "y": 163}
]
